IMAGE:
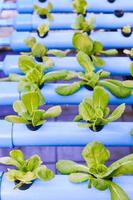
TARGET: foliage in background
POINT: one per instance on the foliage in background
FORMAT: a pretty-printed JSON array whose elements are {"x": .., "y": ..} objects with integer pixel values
[
  {"x": 80, "y": 6},
  {"x": 43, "y": 30},
  {"x": 83, "y": 24},
  {"x": 44, "y": 12},
  {"x": 40, "y": 51}
]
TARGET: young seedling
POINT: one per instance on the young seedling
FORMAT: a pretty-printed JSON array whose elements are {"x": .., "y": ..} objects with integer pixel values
[
  {"x": 44, "y": 12},
  {"x": 27, "y": 171},
  {"x": 80, "y": 6},
  {"x": 43, "y": 30},
  {"x": 95, "y": 111},
  {"x": 29, "y": 113},
  {"x": 40, "y": 52},
  {"x": 36, "y": 76},
  {"x": 34, "y": 72},
  {"x": 84, "y": 25},
  {"x": 126, "y": 30},
  {"x": 82, "y": 42},
  {"x": 129, "y": 53},
  {"x": 88, "y": 78},
  {"x": 95, "y": 172}
]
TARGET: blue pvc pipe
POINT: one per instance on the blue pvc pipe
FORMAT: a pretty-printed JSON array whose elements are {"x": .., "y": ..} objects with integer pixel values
[
  {"x": 5, "y": 134},
  {"x": 8, "y": 94},
  {"x": 28, "y": 22},
  {"x": 63, "y": 40},
  {"x": 115, "y": 65},
  {"x": 50, "y": 134},
  {"x": 69, "y": 134},
  {"x": 61, "y": 188},
  {"x": 51, "y": 97},
  {"x": 24, "y": 6}
]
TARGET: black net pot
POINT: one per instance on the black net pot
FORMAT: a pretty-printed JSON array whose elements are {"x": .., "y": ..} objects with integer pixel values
[{"x": 33, "y": 128}]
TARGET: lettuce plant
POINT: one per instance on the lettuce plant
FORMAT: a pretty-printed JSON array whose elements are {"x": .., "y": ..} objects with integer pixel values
[
  {"x": 44, "y": 12},
  {"x": 82, "y": 42},
  {"x": 131, "y": 69},
  {"x": 88, "y": 58},
  {"x": 94, "y": 111},
  {"x": 43, "y": 30},
  {"x": 34, "y": 72},
  {"x": 88, "y": 78},
  {"x": 129, "y": 52},
  {"x": 27, "y": 171},
  {"x": 36, "y": 76},
  {"x": 96, "y": 172},
  {"x": 40, "y": 52},
  {"x": 126, "y": 31},
  {"x": 120, "y": 89},
  {"x": 29, "y": 113},
  {"x": 80, "y": 6},
  {"x": 84, "y": 25}
]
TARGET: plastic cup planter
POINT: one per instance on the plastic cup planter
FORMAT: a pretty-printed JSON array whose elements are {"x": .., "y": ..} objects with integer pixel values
[{"x": 95, "y": 173}]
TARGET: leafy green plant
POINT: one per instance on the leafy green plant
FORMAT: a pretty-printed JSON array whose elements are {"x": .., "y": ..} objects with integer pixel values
[
  {"x": 36, "y": 76},
  {"x": 120, "y": 89},
  {"x": 84, "y": 25},
  {"x": 44, "y": 12},
  {"x": 96, "y": 172},
  {"x": 127, "y": 30},
  {"x": 88, "y": 78},
  {"x": 82, "y": 42},
  {"x": 34, "y": 72},
  {"x": 43, "y": 30},
  {"x": 131, "y": 69},
  {"x": 88, "y": 58},
  {"x": 129, "y": 52},
  {"x": 29, "y": 113},
  {"x": 80, "y": 6},
  {"x": 38, "y": 50},
  {"x": 131, "y": 132},
  {"x": 94, "y": 111},
  {"x": 26, "y": 170}
]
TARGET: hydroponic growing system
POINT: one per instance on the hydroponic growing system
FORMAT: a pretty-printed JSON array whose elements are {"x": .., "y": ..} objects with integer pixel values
[{"x": 66, "y": 53}]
